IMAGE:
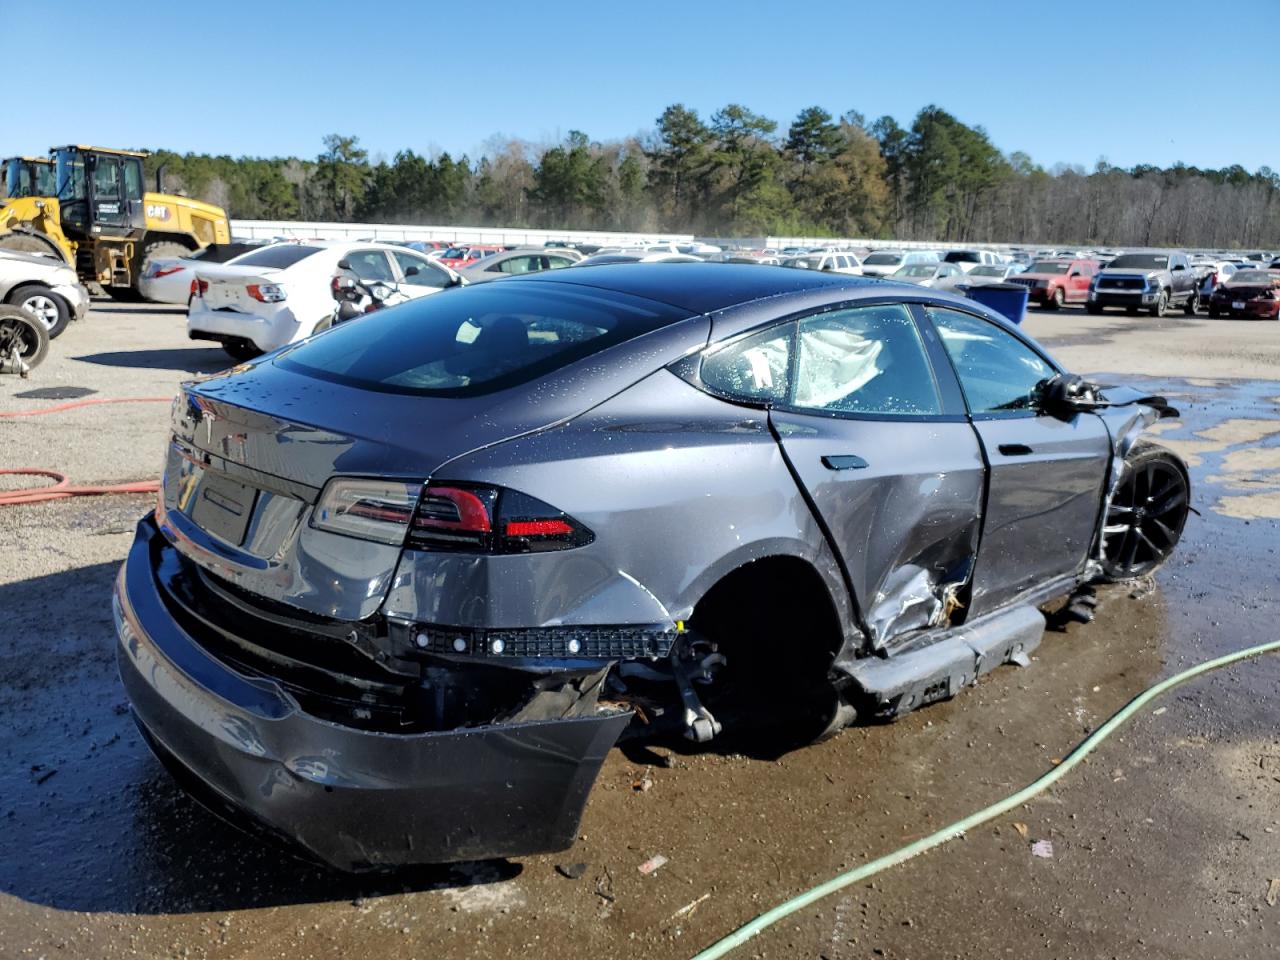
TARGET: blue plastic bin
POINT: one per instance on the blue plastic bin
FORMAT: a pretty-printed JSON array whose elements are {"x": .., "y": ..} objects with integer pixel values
[{"x": 1008, "y": 299}]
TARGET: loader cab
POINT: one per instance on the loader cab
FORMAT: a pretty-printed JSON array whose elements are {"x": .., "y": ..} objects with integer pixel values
[
  {"x": 100, "y": 192},
  {"x": 28, "y": 177}
]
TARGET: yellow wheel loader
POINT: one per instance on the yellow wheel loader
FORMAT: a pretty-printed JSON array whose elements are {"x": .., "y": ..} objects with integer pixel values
[{"x": 99, "y": 219}]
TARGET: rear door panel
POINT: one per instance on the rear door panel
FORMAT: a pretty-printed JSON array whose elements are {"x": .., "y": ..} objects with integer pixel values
[{"x": 907, "y": 523}]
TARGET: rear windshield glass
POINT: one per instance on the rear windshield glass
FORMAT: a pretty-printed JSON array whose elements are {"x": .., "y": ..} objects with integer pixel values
[
  {"x": 1140, "y": 261},
  {"x": 1252, "y": 276},
  {"x": 917, "y": 270},
  {"x": 476, "y": 339},
  {"x": 222, "y": 252},
  {"x": 963, "y": 256},
  {"x": 883, "y": 259},
  {"x": 279, "y": 256},
  {"x": 1047, "y": 266},
  {"x": 455, "y": 253},
  {"x": 987, "y": 271}
]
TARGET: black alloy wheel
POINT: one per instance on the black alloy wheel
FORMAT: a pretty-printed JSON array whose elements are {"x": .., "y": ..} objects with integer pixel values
[{"x": 1146, "y": 516}]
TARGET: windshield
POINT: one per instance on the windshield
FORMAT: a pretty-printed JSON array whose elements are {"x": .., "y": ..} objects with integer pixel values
[
  {"x": 1048, "y": 266},
  {"x": 1140, "y": 261},
  {"x": 278, "y": 257},
  {"x": 455, "y": 253},
  {"x": 882, "y": 260},
  {"x": 476, "y": 340},
  {"x": 1246, "y": 277},
  {"x": 963, "y": 256},
  {"x": 989, "y": 270},
  {"x": 917, "y": 270}
]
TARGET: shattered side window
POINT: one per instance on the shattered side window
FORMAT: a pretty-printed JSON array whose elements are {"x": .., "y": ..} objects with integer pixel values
[
  {"x": 997, "y": 371},
  {"x": 867, "y": 360},
  {"x": 752, "y": 370}
]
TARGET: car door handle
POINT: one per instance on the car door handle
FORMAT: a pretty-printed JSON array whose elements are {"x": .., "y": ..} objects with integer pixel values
[
  {"x": 844, "y": 461},
  {"x": 1015, "y": 449}
]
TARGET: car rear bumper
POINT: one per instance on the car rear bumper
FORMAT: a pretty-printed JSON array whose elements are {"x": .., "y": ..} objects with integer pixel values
[
  {"x": 352, "y": 798},
  {"x": 266, "y": 332},
  {"x": 1253, "y": 309}
]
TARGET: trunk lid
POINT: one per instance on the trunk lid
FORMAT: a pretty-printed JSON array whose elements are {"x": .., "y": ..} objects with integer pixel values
[
  {"x": 250, "y": 454},
  {"x": 228, "y": 287}
]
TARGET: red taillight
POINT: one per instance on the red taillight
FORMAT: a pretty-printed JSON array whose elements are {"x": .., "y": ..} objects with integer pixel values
[
  {"x": 266, "y": 292},
  {"x": 199, "y": 287},
  {"x": 491, "y": 520},
  {"x": 454, "y": 509},
  {"x": 165, "y": 271},
  {"x": 538, "y": 528}
]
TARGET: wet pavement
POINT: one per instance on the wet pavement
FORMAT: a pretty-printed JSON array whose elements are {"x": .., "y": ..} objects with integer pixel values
[{"x": 1163, "y": 844}]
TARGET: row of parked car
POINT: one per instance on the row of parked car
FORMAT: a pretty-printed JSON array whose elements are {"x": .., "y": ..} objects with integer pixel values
[{"x": 255, "y": 297}]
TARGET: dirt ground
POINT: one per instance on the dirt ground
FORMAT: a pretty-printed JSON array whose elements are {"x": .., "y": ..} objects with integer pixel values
[{"x": 1163, "y": 844}]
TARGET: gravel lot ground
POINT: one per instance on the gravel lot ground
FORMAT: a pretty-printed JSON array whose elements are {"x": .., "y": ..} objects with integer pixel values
[{"x": 1164, "y": 844}]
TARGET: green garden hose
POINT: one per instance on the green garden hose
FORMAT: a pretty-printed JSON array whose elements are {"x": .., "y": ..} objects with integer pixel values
[{"x": 960, "y": 827}]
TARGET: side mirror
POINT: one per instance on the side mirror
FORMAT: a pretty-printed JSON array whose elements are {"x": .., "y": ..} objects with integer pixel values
[
  {"x": 412, "y": 272},
  {"x": 344, "y": 264},
  {"x": 1064, "y": 395}
]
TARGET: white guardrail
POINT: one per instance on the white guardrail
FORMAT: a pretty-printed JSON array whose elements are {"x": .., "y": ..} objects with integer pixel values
[{"x": 315, "y": 230}]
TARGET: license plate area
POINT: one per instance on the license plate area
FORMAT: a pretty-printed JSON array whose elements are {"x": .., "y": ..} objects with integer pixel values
[
  {"x": 222, "y": 506},
  {"x": 1237, "y": 304}
]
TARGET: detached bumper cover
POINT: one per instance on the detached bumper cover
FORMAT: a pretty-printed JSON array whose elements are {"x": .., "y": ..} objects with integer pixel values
[{"x": 355, "y": 799}]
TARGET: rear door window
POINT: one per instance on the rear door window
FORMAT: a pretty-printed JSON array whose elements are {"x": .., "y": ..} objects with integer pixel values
[{"x": 370, "y": 265}]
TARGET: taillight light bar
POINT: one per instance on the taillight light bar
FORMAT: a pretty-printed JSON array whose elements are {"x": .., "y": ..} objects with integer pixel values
[
  {"x": 199, "y": 287},
  {"x": 465, "y": 518}
]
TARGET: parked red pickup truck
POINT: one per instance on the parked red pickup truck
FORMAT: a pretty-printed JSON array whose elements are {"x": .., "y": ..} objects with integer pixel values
[{"x": 1055, "y": 282}]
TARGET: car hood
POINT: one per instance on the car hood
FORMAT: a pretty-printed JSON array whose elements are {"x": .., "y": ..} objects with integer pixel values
[{"x": 252, "y": 449}]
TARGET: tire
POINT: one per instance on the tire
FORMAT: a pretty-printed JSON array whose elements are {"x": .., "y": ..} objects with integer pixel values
[
  {"x": 1146, "y": 514},
  {"x": 1161, "y": 304},
  {"x": 46, "y": 305},
  {"x": 1094, "y": 309},
  {"x": 240, "y": 350},
  {"x": 22, "y": 329},
  {"x": 1056, "y": 301},
  {"x": 123, "y": 294},
  {"x": 1192, "y": 305},
  {"x": 155, "y": 251}
]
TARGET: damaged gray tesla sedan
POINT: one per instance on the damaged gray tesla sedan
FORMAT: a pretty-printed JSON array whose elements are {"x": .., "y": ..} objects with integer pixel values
[{"x": 409, "y": 580}]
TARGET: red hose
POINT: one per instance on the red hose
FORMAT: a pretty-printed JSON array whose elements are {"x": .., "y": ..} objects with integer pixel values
[
  {"x": 61, "y": 488},
  {"x": 58, "y": 407}
]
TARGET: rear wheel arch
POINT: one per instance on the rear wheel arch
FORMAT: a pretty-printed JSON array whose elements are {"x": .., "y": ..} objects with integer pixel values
[{"x": 778, "y": 624}]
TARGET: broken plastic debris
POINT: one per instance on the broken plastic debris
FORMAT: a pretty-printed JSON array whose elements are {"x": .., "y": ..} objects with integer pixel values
[
  {"x": 688, "y": 908},
  {"x": 1023, "y": 830},
  {"x": 1042, "y": 849},
  {"x": 653, "y": 864},
  {"x": 1156, "y": 713},
  {"x": 1273, "y": 893}
]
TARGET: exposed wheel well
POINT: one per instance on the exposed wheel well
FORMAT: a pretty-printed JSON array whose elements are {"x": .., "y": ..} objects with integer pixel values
[
  {"x": 776, "y": 624},
  {"x": 155, "y": 236}
]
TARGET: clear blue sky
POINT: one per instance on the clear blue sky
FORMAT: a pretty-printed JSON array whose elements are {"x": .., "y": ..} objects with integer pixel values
[{"x": 1131, "y": 80}]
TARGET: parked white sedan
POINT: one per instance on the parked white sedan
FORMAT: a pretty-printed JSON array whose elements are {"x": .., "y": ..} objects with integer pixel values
[
  {"x": 168, "y": 279},
  {"x": 278, "y": 294}
]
